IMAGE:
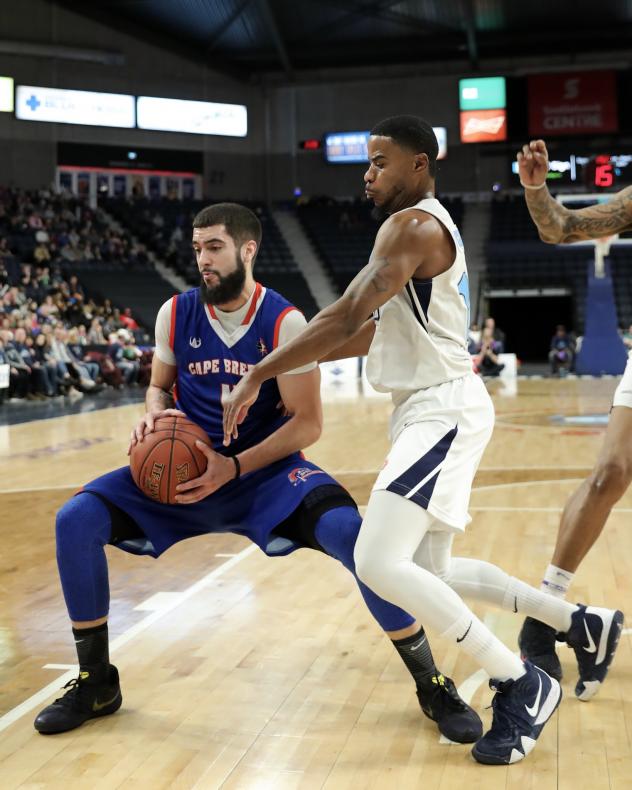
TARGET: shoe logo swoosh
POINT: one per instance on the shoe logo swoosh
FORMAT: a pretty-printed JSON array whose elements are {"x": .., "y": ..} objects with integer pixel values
[
  {"x": 418, "y": 645},
  {"x": 100, "y": 705},
  {"x": 532, "y": 711},
  {"x": 591, "y": 642}
]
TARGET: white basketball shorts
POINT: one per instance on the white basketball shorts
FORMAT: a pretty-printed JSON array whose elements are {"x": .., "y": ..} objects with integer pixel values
[
  {"x": 623, "y": 393},
  {"x": 439, "y": 435}
]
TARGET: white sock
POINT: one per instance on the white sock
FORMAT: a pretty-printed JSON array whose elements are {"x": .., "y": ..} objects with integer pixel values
[
  {"x": 556, "y": 581},
  {"x": 520, "y": 597},
  {"x": 486, "y": 582},
  {"x": 478, "y": 641}
]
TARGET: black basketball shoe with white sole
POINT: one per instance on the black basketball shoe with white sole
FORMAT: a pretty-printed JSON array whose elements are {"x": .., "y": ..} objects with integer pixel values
[
  {"x": 521, "y": 709},
  {"x": 594, "y": 636}
]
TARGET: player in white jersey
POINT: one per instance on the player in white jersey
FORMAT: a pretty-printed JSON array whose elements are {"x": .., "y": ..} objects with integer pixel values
[
  {"x": 588, "y": 508},
  {"x": 415, "y": 284}
]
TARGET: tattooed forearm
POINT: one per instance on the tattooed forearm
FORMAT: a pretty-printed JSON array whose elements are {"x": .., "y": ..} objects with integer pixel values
[
  {"x": 373, "y": 275},
  {"x": 559, "y": 225},
  {"x": 546, "y": 213}
]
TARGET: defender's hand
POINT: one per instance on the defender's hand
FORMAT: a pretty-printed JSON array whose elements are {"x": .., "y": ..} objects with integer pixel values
[
  {"x": 219, "y": 471},
  {"x": 147, "y": 423},
  {"x": 533, "y": 163},
  {"x": 236, "y": 405}
]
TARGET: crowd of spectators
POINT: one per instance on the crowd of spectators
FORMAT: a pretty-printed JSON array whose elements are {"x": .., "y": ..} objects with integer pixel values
[
  {"x": 43, "y": 227},
  {"x": 54, "y": 339}
]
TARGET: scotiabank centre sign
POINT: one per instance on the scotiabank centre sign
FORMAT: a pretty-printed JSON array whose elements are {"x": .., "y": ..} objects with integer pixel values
[{"x": 582, "y": 102}]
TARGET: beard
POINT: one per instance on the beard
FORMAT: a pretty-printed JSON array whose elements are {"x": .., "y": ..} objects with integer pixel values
[
  {"x": 379, "y": 214},
  {"x": 228, "y": 288}
]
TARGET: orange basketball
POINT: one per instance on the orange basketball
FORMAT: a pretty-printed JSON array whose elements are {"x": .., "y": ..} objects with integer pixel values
[{"x": 167, "y": 457}]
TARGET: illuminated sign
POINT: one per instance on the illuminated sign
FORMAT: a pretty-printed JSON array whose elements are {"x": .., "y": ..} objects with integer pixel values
[
  {"x": 484, "y": 93},
  {"x": 351, "y": 147},
  {"x": 6, "y": 94},
  {"x": 583, "y": 102},
  {"x": 85, "y": 108},
  {"x": 483, "y": 126},
  {"x": 192, "y": 117}
]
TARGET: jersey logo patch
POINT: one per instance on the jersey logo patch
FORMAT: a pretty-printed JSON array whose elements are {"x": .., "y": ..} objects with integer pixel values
[
  {"x": 301, "y": 473},
  {"x": 195, "y": 342},
  {"x": 261, "y": 347}
]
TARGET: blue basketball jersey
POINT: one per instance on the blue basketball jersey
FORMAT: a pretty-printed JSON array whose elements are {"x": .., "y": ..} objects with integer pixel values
[{"x": 210, "y": 362}]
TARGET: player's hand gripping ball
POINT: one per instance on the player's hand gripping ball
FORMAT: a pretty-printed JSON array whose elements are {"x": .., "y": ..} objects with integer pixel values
[{"x": 167, "y": 457}]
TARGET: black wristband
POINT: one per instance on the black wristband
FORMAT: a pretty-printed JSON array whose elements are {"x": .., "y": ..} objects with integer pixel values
[{"x": 237, "y": 467}]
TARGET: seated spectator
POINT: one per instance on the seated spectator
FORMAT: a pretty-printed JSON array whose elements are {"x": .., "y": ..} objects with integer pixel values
[
  {"x": 44, "y": 357},
  {"x": 562, "y": 352},
  {"x": 127, "y": 320},
  {"x": 71, "y": 369},
  {"x": 95, "y": 333},
  {"x": 19, "y": 372},
  {"x": 38, "y": 382},
  {"x": 78, "y": 354},
  {"x": 497, "y": 334},
  {"x": 486, "y": 357},
  {"x": 129, "y": 367}
]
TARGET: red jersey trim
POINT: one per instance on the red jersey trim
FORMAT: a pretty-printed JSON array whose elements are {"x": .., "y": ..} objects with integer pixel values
[
  {"x": 172, "y": 328},
  {"x": 253, "y": 305},
  {"x": 277, "y": 326}
]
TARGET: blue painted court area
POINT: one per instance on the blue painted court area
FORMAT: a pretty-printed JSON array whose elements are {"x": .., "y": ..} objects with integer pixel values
[
  {"x": 20, "y": 411},
  {"x": 580, "y": 419}
]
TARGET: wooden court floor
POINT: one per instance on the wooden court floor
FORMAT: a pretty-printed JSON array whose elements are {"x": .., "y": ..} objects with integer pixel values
[{"x": 240, "y": 671}]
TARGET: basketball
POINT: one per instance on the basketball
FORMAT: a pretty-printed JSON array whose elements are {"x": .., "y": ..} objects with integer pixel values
[{"x": 167, "y": 457}]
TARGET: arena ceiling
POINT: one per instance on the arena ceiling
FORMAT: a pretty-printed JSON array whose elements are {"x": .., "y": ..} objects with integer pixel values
[{"x": 247, "y": 38}]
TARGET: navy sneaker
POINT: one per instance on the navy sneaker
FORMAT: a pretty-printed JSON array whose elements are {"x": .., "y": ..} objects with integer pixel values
[
  {"x": 594, "y": 635},
  {"x": 521, "y": 709},
  {"x": 536, "y": 641},
  {"x": 441, "y": 703},
  {"x": 81, "y": 702}
]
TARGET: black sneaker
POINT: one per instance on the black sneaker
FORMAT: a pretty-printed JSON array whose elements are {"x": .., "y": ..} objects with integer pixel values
[
  {"x": 536, "y": 641},
  {"x": 81, "y": 702},
  {"x": 441, "y": 703},
  {"x": 594, "y": 635},
  {"x": 521, "y": 709}
]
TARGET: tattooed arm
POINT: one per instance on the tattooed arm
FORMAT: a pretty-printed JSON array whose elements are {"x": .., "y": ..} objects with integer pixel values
[
  {"x": 406, "y": 244},
  {"x": 557, "y": 224}
]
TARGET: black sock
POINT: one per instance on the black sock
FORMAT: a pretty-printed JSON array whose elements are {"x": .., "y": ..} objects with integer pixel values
[
  {"x": 93, "y": 653},
  {"x": 416, "y": 654}
]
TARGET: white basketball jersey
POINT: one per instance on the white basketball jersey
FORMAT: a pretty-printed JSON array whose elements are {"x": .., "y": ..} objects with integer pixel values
[{"x": 421, "y": 332}]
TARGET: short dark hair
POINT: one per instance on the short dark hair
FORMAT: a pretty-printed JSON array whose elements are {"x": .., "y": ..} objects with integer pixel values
[
  {"x": 240, "y": 222},
  {"x": 413, "y": 133}
]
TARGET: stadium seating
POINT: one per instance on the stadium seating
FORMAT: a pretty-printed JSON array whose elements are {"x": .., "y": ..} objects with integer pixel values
[{"x": 164, "y": 225}]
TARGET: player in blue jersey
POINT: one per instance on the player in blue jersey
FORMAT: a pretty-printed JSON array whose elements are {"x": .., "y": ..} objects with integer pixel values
[{"x": 206, "y": 340}]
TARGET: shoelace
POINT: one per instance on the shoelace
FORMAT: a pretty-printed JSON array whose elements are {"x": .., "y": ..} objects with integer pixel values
[
  {"x": 74, "y": 692},
  {"x": 452, "y": 698}
]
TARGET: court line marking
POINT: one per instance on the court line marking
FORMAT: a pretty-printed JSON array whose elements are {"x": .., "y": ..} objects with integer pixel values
[
  {"x": 11, "y": 716},
  {"x": 502, "y": 509},
  {"x": 76, "y": 486}
]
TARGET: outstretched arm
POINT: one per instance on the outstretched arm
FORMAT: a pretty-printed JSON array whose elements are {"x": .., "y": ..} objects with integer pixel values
[
  {"x": 557, "y": 224},
  {"x": 400, "y": 249}
]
